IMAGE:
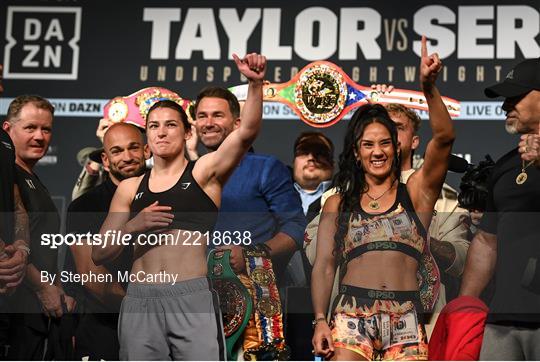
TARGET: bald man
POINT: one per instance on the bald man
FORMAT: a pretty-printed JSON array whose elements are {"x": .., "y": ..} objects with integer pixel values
[{"x": 124, "y": 155}]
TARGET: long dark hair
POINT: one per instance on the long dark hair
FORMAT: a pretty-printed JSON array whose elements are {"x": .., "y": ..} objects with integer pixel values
[{"x": 350, "y": 179}]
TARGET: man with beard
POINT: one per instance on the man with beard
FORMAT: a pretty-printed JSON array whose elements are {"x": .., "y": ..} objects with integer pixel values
[
  {"x": 312, "y": 171},
  {"x": 258, "y": 200},
  {"x": 259, "y": 196},
  {"x": 124, "y": 154},
  {"x": 506, "y": 243}
]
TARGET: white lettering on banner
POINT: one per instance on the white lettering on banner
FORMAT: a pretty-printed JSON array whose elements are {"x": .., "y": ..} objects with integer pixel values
[
  {"x": 391, "y": 26},
  {"x": 39, "y": 48},
  {"x": 54, "y": 30},
  {"x": 64, "y": 107},
  {"x": 161, "y": 19},
  {"x": 365, "y": 74},
  {"x": 53, "y": 57},
  {"x": 473, "y": 111},
  {"x": 304, "y": 33},
  {"x": 199, "y": 21},
  {"x": 426, "y": 21},
  {"x": 350, "y": 33},
  {"x": 32, "y": 29},
  {"x": 469, "y": 17},
  {"x": 351, "y": 37},
  {"x": 238, "y": 30},
  {"x": 509, "y": 33},
  {"x": 29, "y": 61},
  {"x": 271, "y": 31},
  {"x": 515, "y": 25},
  {"x": 482, "y": 110}
]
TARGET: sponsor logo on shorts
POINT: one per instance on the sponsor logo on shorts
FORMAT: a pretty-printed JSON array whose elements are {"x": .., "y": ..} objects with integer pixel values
[{"x": 381, "y": 294}]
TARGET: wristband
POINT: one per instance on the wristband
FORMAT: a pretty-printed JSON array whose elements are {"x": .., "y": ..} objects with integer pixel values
[
  {"x": 317, "y": 320},
  {"x": 25, "y": 248}
]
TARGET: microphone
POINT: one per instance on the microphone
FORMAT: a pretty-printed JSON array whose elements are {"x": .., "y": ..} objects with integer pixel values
[{"x": 457, "y": 164}]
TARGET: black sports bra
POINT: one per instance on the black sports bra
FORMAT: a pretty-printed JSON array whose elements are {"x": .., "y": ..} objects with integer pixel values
[{"x": 192, "y": 207}]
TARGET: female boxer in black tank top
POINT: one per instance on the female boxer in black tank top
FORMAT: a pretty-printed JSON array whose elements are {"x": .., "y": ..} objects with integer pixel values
[
  {"x": 190, "y": 205},
  {"x": 163, "y": 320}
]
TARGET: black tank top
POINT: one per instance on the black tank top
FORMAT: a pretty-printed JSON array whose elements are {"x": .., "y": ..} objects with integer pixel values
[{"x": 192, "y": 207}]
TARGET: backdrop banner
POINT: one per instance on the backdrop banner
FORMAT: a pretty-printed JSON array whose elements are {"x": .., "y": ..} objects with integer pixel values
[{"x": 81, "y": 53}]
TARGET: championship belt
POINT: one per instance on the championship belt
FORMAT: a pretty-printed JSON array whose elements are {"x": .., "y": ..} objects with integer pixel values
[
  {"x": 267, "y": 305},
  {"x": 429, "y": 279},
  {"x": 234, "y": 299},
  {"x": 134, "y": 108},
  {"x": 321, "y": 94}
]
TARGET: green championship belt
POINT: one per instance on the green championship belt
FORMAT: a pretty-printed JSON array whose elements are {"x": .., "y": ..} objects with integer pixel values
[{"x": 234, "y": 299}]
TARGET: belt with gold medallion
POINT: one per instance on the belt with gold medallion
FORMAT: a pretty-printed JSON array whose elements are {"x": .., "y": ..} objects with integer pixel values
[
  {"x": 234, "y": 298},
  {"x": 267, "y": 307}
]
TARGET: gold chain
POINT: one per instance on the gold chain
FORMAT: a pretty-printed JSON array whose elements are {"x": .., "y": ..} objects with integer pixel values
[
  {"x": 376, "y": 198},
  {"x": 523, "y": 166}
]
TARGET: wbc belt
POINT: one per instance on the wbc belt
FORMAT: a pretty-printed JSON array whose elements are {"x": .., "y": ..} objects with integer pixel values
[
  {"x": 134, "y": 108},
  {"x": 234, "y": 299},
  {"x": 321, "y": 94}
]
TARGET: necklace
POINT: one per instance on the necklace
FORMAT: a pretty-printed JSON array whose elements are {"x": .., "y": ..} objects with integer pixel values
[
  {"x": 522, "y": 177},
  {"x": 374, "y": 203}
]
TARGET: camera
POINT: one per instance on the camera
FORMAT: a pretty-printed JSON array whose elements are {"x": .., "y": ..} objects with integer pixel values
[{"x": 474, "y": 185}]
